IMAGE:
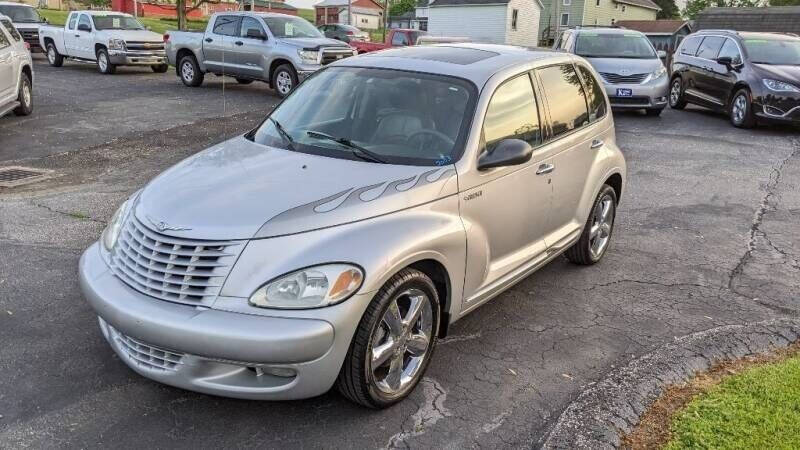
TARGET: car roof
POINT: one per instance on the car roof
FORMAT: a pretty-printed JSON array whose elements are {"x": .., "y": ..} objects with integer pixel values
[
  {"x": 16, "y": 4},
  {"x": 102, "y": 13},
  {"x": 474, "y": 62},
  {"x": 607, "y": 30}
]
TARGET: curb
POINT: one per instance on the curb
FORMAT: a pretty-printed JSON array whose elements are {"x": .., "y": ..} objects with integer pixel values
[{"x": 612, "y": 407}]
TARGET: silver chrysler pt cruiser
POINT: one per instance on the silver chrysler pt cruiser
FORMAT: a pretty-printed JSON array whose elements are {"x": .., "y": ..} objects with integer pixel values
[{"x": 387, "y": 197}]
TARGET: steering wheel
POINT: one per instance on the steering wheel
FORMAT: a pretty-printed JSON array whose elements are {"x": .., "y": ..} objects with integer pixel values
[{"x": 424, "y": 137}]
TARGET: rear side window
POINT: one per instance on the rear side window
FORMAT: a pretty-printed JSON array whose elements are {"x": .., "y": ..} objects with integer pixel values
[
  {"x": 565, "y": 97},
  {"x": 512, "y": 114},
  {"x": 594, "y": 95},
  {"x": 11, "y": 30},
  {"x": 709, "y": 49},
  {"x": 226, "y": 26},
  {"x": 690, "y": 45}
]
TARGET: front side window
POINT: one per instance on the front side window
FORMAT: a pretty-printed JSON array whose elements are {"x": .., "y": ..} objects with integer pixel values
[
  {"x": 227, "y": 26},
  {"x": 614, "y": 45},
  {"x": 731, "y": 50},
  {"x": 595, "y": 97},
  {"x": 249, "y": 23},
  {"x": 84, "y": 20},
  {"x": 709, "y": 48},
  {"x": 116, "y": 22},
  {"x": 512, "y": 114},
  {"x": 690, "y": 44},
  {"x": 377, "y": 115},
  {"x": 565, "y": 98},
  {"x": 11, "y": 30},
  {"x": 781, "y": 52},
  {"x": 20, "y": 13},
  {"x": 291, "y": 27}
]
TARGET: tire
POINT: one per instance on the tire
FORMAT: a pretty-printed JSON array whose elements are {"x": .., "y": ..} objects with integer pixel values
[
  {"x": 587, "y": 250},
  {"x": 25, "y": 97},
  {"x": 189, "y": 71},
  {"x": 654, "y": 112},
  {"x": 244, "y": 80},
  {"x": 284, "y": 80},
  {"x": 676, "y": 98},
  {"x": 160, "y": 68},
  {"x": 53, "y": 57},
  {"x": 740, "y": 110},
  {"x": 372, "y": 387},
  {"x": 104, "y": 63}
]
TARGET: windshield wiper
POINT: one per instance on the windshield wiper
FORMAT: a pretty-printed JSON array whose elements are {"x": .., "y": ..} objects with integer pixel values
[
  {"x": 358, "y": 150},
  {"x": 284, "y": 134}
]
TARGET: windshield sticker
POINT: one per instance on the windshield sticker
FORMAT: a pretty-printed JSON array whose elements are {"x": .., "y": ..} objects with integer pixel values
[{"x": 443, "y": 160}]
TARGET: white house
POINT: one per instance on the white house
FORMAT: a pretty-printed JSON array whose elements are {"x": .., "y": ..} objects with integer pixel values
[{"x": 514, "y": 22}]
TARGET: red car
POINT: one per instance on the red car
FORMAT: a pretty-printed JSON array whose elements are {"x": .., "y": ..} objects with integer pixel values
[{"x": 396, "y": 37}]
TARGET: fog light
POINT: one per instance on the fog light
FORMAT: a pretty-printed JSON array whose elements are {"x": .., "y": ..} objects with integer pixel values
[
  {"x": 282, "y": 372},
  {"x": 773, "y": 111}
]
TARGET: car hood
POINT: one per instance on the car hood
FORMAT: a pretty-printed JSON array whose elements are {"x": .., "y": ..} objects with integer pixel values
[
  {"x": 790, "y": 74},
  {"x": 27, "y": 25},
  {"x": 313, "y": 43},
  {"x": 132, "y": 35},
  {"x": 617, "y": 65},
  {"x": 240, "y": 190}
]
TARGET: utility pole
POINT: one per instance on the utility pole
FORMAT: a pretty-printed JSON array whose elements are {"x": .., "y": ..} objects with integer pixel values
[{"x": 349, "y": 12}]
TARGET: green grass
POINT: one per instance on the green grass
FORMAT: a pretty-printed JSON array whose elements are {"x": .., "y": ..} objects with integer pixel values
[
  {"x": 161, "y": 26},
  {"x": 308, "y": 14},
  {"x": 759, "y": 408}
]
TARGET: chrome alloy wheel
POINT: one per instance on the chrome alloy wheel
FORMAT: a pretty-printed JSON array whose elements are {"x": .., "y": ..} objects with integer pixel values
[
  {"x": 675, "y": 92},
  {"x": 187, "y": 71},
  {"x": 600, "y": 232},
  {"x": 102, "y": 61},
  {"x": 401, "y": 341},
  {"x": 51, "y": 54},
  {"x": 739, "y": 109},
  {"x": 283, "y": 82},
  {"x": 26, "y": 95}
]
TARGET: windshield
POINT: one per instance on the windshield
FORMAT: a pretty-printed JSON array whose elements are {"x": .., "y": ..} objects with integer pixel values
[
  {"x": 773, "y": 51},
  {"x": 116, "y": 22},
  {"x": 378, "y": 115},
  {"x": 20, "y": 14},
  {"x": 614, "y": 45},
  {"x": 291, "y": 27}
]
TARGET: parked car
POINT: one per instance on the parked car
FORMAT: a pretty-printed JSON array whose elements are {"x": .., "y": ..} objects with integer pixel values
[
  {"x": 753, "y": 77},
  {"x": 633, "y": 74},
  {"x": 344, "y": 33},
  {"x": 27, "y": 21},
  {"x": 383, "y": 200},
  {"x": 395, "y": 37},
  {"x": 279, "y": 49},
  {"x": 110, "y": 39},
  {"x": 16, "y": 71}
]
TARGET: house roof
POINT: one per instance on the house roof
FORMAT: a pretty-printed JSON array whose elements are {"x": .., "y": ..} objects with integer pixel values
[
  {"x": 435, "y": 3},
  {"x": 273, "y": 5},
  {"x": 779, "y": 10},
  {"x": 642, "y": 3},
  {"x": 325, "y": 3},
  {"x": 653, "y": 26}
]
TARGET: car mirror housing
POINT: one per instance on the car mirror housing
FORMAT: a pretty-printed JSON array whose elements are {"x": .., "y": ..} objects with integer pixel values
[
  {"x": 661, "y": 54},
  {"x": 508, "y": 152},
  {"x": 725, "y": 61},
  {"x": 84, "y": 27},
  {"x": 255, "y": 34}
]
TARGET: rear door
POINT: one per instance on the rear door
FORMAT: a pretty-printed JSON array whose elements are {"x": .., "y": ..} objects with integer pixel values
[
  {"x": 218, "y": 44},
  {"x": 704, "y": 88},
  {"x": 8, "y": 81}
]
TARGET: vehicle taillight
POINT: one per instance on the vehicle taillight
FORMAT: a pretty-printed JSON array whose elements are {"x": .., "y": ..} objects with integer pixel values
[{"x": 166, "y": 37}]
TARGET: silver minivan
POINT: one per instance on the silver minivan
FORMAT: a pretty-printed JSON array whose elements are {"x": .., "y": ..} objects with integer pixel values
[
  {"x": 632, "y": 70},
  {"x": 384, "y": 199}
]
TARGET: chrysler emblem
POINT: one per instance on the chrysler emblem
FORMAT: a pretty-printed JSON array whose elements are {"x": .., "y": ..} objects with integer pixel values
[{"x": 164, "y": 226}]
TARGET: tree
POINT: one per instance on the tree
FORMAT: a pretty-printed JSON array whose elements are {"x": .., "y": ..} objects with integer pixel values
[
  {"x": 784, "y": 2},
  {"x": 402, "y": 6},
  {"x": 180, "y": 6},
  {"x": 668, "y": 9},
  {"x": 695, "y": 7}
]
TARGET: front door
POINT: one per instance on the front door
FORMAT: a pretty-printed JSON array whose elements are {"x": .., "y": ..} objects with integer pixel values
[
  {"x": 84, "y": 42},
  {"x": 249, "y": 51},
  {"x": 218, "y": 45},
  {"x": 724, "y": 79},
  {"x": 505, "y": 209}
]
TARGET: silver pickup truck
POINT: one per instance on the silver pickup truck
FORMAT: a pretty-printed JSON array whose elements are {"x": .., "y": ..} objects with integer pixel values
[{"x": 276, "y": 48}]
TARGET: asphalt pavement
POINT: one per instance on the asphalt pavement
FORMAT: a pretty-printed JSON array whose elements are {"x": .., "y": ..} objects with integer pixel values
[{"x": 706, "y": 235}]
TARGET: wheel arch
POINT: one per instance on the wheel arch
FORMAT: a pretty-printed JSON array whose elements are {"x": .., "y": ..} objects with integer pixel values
[
  {"x": 26, "y": 69},
  {"x": 277, "y": 62},
  {"x": 615, "y": 181},
  {"x": 98, "y": 46},
  {"x": 437, "y": 272},
  {"x": 741, "y": 84}
]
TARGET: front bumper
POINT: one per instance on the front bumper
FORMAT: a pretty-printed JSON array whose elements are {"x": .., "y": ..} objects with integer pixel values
[
  {"x": 778, "y": 109},
  {"x": 122, "y": 58},
  {"x": 220, "y": 352},
  {"x": 650, "y": 95}
]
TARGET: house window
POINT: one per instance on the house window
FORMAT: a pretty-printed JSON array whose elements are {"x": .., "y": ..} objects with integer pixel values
[
  {"x": 613, "y": 21},
  {"x": 597, "y": 3},
  {"x": 564, "y": 19},
  {"x": 623, "y": 8},
  {"x": 514, "y": 13},
  {"x": 567, "y": 2}
]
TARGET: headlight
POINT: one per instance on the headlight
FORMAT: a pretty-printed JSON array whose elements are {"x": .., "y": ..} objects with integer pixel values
[
  {"x": 310, "y": 288},
  {"x": 116, "y": 44},
  {"x": 309, "y": 56},
  {"x": 111, "y": 233},
  {"x": 660, "y": 72},
  {"x": 779, "y": 86}
]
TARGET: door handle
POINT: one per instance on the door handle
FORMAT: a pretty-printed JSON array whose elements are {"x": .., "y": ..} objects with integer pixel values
[
  {"x": 239, "y": 43},
  {"x": 77, "y": 35},
  {"x": 597, "y": 143},
  {"x": 545, "y": 168},
  {"x": 209, "y": 40}
]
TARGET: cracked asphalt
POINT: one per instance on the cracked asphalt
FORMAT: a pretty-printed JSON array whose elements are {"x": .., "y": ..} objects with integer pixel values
[{"x": 706, "y": 236}]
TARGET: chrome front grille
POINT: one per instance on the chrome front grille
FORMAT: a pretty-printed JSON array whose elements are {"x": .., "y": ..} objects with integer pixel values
[
  {"x": 146, "y": 355},
  {"x": 613, "y": 78},
  {"x": 173, "y": 269},
  {"x": 149, "y": 47},
  {"x": 30, "y": 36},
  {"x": 330, "y": 55}
]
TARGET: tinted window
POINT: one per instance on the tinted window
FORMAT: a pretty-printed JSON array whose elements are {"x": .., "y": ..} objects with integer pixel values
[
  {"x": 116, "y": 22},
  {"x": 3, "y": 40},
  {"x": 11, "y": 30},
  {"x": 72, "y": 21},
  {"x": 710, "y": 47},
  {"x": 785, "y": 52},
  {"x": 690, "y": 45},
  {"x": 20, "y": 13},
  {"x": 595, "y": 97},
  {"x": 512, "y": 114},
  {"x": 399, "y": 39},
  {"x": 249, "y": 23},
  {"x": 730, "y": 49},
  {"x": 226, "y": 25},
  {"x": 84, "y": 20},
  {"x": 614, "y": 45},
  {"x": 565, "y": 97}
]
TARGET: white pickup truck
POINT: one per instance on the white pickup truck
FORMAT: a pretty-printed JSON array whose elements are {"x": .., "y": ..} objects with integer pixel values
[{"x": 109, "y": 38}]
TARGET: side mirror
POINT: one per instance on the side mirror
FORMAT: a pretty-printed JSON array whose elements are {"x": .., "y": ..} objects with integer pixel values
[
  {"x": 256, "y": 34},
  {"x": 508, "y": 152},
  {"x": 84, "y": 27},
  {"x": 661, "y": 54},
  {"x": 725, "y": 61},
  {"x": 44, "y": 19}
]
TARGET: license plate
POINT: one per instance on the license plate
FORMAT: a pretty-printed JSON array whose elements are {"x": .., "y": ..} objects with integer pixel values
[{"x": 624, "y": 93}]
